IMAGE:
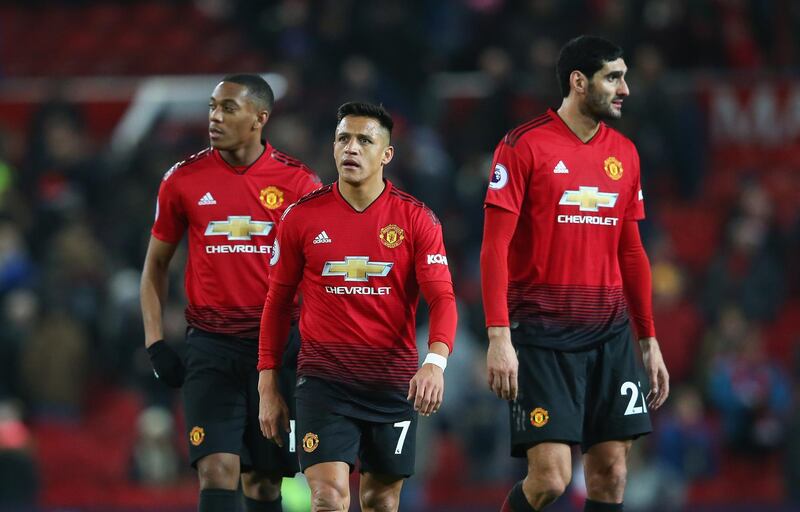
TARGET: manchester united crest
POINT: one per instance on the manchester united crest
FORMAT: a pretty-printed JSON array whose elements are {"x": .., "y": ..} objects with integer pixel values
[
  {"x": 613, "y": 168},
  {"x": 196, "y": 436},
  {"x": 392, "y": 235},
  {"x": 539, "y": 417},
  {"x": 310, "y": 442},
  {"x": 271, "y": 197}
]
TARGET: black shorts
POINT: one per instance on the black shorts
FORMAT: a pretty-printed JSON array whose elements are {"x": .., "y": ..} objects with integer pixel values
[
  {"x": 386, "y": 448},
  {"x": 220, "y": 398},
  {"x": 584, "y": 397}
]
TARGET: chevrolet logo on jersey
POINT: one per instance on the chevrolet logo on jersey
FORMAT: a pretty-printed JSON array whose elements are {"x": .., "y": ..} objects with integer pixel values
[
  {"x": 589, "y": 199},
  {"x": 357, "y": 268},
  {"x": 238, "y": 227}
]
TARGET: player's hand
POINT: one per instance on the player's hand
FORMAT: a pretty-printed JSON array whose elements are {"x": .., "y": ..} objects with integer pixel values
[
  {"x": 427, "y": 389},
  {"x": 167, "y": 364},
  {"x": 273, "y": 414},
  {"x": 502, "y": 363},
  {"x": 656, "y": 372}
]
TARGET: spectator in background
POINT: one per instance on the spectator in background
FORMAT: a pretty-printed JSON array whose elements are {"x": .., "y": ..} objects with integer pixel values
[
  {"x": 20, "y": 311},
  {"x": 792, "y": 449},
  {"x": 19, "y": 479},
  {"x": 746, "y": 269},
  {"x": 728, "y": 331},
  {"x": 62, "y": 173},
  {"x": 653, "y": 486},
  {"x": 155, "y": 459},
  {"x": 16, "y": 268},
  {"x": 663, "y": 140},
  {"x": 685, "y": 440},
  {"x": 55, "y": 366},
  {"x": 752, "y": 394},
  {"x": 680, "y": 323}
]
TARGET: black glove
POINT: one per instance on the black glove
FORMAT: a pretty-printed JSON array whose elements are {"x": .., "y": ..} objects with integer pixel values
[{"x": 167, "y": 364}]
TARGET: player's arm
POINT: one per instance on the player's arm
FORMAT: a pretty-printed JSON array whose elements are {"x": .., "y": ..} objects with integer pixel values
[
  {"x": 426, "y": 388},
  {"x": 501, "y": 360},
  {"x": 637, "y": 283},
  {"x": 432, "y": 271},
  {"x": 508, "y": 184},
  {"x": 287, "y": 271},
  {"x": 153, "y": 295},
  {"x": 168, "y": 228},
  {"x": 275, "y": 325}
]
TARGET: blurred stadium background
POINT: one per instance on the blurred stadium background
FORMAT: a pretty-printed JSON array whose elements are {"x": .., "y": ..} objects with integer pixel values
[{"x": 98, "y": 99}]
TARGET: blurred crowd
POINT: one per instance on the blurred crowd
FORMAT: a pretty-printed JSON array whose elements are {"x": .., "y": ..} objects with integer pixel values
[{"x": 456, "y": 75}]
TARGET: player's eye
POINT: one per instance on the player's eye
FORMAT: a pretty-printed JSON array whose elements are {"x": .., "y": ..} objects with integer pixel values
[{"x": 364, "y": 140}]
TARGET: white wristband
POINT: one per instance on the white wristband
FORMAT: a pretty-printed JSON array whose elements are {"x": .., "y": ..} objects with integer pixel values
[{"x": 436, "y": 359}]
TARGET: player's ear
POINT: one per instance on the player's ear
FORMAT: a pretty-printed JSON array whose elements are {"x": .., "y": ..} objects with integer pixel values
[
  {"x": 261, "y": 119},
  {"x": 578, "y": 82},
  {"x": 388, "y": 154}
]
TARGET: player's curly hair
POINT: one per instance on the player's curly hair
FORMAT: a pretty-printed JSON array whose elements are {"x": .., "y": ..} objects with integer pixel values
[
  {"x": 257, "y": 88},
  {"x": 586, "y": 54},
  {"x": 359, "y": 108}
]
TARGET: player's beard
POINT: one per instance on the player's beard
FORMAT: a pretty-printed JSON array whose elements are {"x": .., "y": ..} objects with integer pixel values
[{"x": 598, "y": 106}]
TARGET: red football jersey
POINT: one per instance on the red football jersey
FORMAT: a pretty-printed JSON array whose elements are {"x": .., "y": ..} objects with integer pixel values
[
  {"x": 231, "y": 216},
  {"x": 359, "y": 276},
  {"x": 571, "y": 198}
]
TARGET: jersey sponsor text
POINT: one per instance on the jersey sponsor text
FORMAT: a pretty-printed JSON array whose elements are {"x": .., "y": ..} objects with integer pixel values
[
  {"x": 238, "y": 249},
  {"x": 358, "y": 290},
  {"x": 587, "y": 219},
  {"x": 437, "y": 258}
]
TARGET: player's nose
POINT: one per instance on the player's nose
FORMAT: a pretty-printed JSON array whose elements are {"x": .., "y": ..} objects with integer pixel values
[
  {"x": 351, "y": 148},
  {"x": 215, "y": 115},
  {"x": 623, "y": 88}
]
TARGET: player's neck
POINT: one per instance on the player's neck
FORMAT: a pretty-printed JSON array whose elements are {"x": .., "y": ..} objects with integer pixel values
[
  {"x": 361, "y": 195},
  {"x": 242, "y": 156},
  {"x": 584, "y": 127}
]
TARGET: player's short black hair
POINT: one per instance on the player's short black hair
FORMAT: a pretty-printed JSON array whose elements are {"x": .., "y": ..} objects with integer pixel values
[
  {"x": 257, "y": 88},
  {"x": 358, "y": 108},
  {"x": 586, "y": 54}
]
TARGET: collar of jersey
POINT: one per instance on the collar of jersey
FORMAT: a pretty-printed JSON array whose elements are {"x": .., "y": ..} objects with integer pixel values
[
  {"x": 264, "y": 154},
  {"x": 567, "y": 129},
  {"x": 378, "y": 199}
]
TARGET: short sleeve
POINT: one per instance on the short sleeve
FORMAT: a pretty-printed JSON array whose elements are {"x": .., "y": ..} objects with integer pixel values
[
  {"x": 635, "y": 208},
  {"x": 508, "y": 181},
  {"x": 171, "y": 220},
  {"x": 287, "y": 260},
  {"x": 430, "y": 257}
]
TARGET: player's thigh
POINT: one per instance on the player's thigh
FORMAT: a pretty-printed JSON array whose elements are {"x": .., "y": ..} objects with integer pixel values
[
  {"x": 325, "y": 436},
  {"x": 616, "y": 408},
  {"x": 389, "y": 448},
  {"x": 215, "y": 405},
  {"x": 550, "y": 402},
  {"x": 264, "y": 455}
]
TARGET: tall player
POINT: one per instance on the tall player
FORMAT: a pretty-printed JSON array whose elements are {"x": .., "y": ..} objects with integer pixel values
[
  {"x": 361, "y": 251},
  {"x": 229, "y": 198},
  {"x": 561, "y": 254}
]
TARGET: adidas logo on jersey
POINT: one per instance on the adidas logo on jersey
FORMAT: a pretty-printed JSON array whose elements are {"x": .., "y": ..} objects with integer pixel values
[
  {"x": 560, "y": 168},
  {"x": 322, "y": 238},
  {"x": 207, "y": 200}
]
